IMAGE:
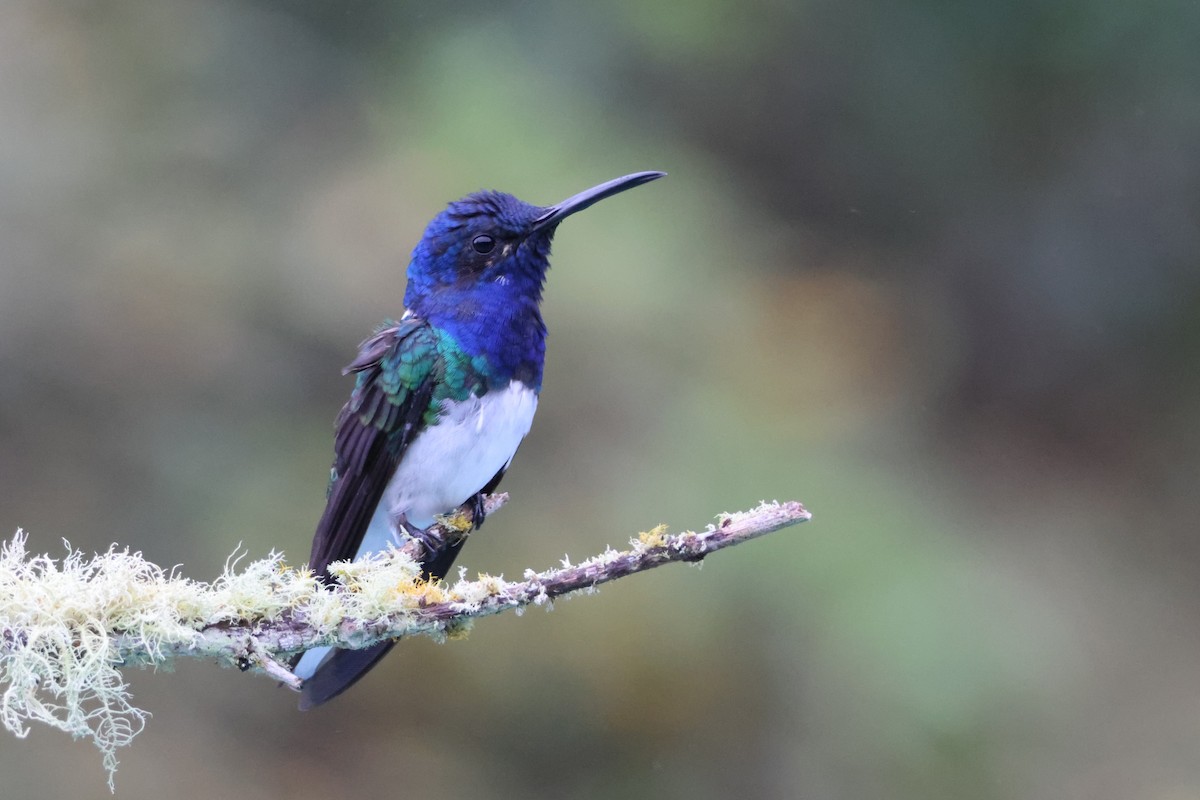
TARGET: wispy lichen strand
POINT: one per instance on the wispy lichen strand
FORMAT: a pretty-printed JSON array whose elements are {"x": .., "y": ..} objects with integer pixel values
[{"x": 68, "y": 626}]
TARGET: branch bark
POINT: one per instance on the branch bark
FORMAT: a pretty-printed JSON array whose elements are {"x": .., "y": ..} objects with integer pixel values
[
  {"x": 67, "y": 627},
  {"x": 441, "y": 611}
]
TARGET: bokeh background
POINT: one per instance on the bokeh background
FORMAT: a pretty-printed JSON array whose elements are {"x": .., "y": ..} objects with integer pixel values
[{"x": 930, "y": 267}]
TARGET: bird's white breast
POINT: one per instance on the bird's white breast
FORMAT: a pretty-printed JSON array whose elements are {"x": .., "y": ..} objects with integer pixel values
[{"x": 449, "y": 462}]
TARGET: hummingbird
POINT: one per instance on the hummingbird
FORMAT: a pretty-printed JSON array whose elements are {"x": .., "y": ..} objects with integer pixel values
[{"x": 442, "y": 398}]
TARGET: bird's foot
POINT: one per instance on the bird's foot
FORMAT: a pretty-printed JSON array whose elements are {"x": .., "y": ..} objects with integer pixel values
[
  {"x": 430, "y": 540},
  {"x": 436, "y": 538},
  {"x": 478, "y": 511}
]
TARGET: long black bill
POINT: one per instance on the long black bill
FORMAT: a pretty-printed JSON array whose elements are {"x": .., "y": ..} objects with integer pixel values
[{"x": 557, "y": 213}]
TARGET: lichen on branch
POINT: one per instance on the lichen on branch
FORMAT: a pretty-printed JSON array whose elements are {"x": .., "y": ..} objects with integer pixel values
[{"x": 68, "y": 626}]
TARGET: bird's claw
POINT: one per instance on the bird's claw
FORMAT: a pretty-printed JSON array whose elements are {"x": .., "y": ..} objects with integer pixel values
[
  {"x": 478, "y": 512},
  {"x": 429, "y": 539}
]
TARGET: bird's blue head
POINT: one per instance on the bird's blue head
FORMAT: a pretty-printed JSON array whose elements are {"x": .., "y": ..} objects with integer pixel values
[{"x": 480, "y": 266}]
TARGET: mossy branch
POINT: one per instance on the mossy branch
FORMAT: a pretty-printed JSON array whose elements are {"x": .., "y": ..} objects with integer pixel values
[{"x": 68, "y": 627}]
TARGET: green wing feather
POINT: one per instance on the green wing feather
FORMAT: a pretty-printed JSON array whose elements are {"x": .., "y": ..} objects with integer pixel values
[{"x": 404, "y": 373}]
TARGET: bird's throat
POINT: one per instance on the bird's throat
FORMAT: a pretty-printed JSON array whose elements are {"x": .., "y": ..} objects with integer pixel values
[{"x": 505, "y": 338}]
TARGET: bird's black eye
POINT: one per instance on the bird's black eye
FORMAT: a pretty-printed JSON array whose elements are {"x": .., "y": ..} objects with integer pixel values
[{"x": 483, "y": 244}]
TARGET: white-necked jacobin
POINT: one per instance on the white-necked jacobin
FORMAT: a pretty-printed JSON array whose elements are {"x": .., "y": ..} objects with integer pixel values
[{"x": 443, "y": 397}]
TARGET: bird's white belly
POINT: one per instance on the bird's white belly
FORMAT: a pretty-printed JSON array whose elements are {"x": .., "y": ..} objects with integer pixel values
[{"x": 449, "y": 462}]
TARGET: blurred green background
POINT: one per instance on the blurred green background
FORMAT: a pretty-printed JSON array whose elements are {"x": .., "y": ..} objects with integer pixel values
[{"x": 929, "y": 267}]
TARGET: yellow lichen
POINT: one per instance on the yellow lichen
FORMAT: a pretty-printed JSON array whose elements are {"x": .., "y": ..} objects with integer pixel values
[
  {"x": 428, "y": 592},
  {"x": 459, "y": 522},
  {"x": 655, "y": 537}
]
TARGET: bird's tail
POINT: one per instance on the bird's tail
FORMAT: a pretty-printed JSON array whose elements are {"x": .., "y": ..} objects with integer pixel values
[
  {"x": 339, "y": 672},
  {"x": 341, "y": 669}
]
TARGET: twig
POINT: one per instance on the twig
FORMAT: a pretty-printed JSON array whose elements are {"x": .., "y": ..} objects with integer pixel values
[
  {"x": 273, "y": 668},
  {"x": 439, "y": 610},
  {"x": 67, "y": 627}
]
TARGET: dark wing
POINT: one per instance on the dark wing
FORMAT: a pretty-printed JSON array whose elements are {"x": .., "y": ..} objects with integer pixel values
[{"x": 397, "y": 369}]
